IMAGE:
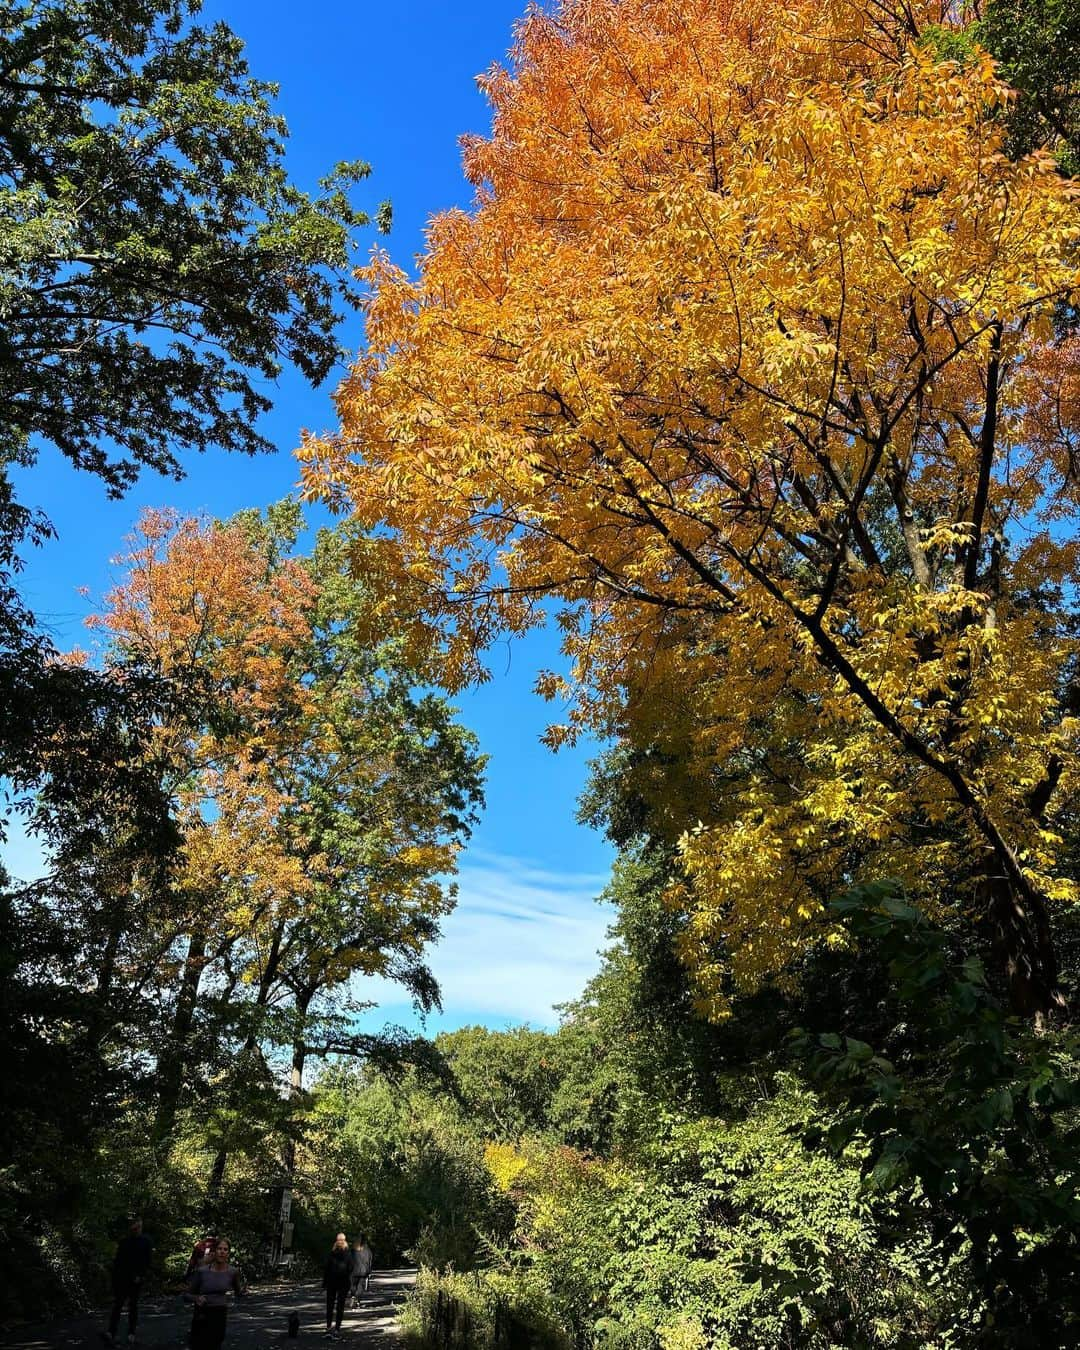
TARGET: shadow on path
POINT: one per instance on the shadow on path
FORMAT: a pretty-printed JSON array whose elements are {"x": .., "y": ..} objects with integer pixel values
[{"x": 259, "y": 1320}]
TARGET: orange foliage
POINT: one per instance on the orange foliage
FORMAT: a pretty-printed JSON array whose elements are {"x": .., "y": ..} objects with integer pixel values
[
  {"x": 309, "y": 835},
  {"x": 745, "y": 356},
  {"x": 201, "y": 606}
]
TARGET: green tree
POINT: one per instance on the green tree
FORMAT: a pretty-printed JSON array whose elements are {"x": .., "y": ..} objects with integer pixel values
[
  {"x": 158, "y": 266},
  {"x": 79, "y": 963},
  {"x": 505, "y": 1079},
  {"x": 961, "y": 1114},
  {"x": 399, "y": 1162},
  {"x": 631, "y": 1047},
  {"x": 1037, "y": 43},
  {"x": 157, "y": 269}
]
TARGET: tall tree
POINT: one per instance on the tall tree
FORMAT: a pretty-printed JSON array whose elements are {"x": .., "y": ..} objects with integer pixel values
[
  {"x": 321, "y": 799},
  {"x": 158, "y": 267},
  {"x": 746, "y": 357}
]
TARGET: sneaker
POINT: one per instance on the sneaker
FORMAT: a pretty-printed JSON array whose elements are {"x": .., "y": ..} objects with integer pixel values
[
  {"x": 328, "y": 1335},
  {"x": 107, "y": 1338},
  {"x": 131, "y": 1338}
]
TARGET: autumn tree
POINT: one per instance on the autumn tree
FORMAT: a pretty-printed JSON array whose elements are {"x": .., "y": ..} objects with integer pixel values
[
  {"x": 159, "y": 267},
  {"x": 321, "y": 800},
  {"x": 745, "y": 358}
]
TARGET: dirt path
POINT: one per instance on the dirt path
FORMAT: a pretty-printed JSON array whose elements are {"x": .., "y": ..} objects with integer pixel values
[{"x": 258, "y": 1322}]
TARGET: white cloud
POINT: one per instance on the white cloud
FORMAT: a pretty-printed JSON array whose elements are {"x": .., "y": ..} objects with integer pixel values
[{"x": 522, "y": 938}]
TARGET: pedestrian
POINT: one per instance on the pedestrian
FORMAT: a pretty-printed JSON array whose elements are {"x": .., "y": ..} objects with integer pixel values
[
  {"x": 209, "y": 1288},
  {"x": 130, "y": 1264},
  {"x": 337, "y": 1276},
  {"x": 362, "y": 1259}
]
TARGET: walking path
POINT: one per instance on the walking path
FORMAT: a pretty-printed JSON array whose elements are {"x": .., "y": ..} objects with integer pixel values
[{"x": 255, "y": 1323}]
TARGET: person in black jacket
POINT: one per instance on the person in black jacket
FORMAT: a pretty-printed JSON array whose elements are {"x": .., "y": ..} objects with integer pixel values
[
  {"x": 337, "y": 1276},
  {"x": 130, "y": 1264}
]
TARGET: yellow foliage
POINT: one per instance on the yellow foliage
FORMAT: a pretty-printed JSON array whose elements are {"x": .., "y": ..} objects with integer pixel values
[
  {"x": 505, "y": 1163},
  {"x": 687, "y": 1333},
  {"x": 745, "y": 356}
]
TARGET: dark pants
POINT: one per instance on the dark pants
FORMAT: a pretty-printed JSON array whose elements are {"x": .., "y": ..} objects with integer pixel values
[
  {"x": 208, "y": 1328},
  {"x": 335, "y": 1306},
  {"x": 129, "y": 1294}
]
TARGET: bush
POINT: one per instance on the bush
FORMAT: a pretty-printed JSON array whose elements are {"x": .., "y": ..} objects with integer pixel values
[
  {"x": 402, "y": 1167},
  {"x": 483, "y": 1310},
  {"x": 724, "y": 1233}
]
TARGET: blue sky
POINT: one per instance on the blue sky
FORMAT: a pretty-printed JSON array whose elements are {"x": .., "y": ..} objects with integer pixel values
[{"x": 394, "y": 85}]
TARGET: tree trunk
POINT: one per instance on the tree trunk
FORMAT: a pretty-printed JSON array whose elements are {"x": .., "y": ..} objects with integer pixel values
[
  {"x": 1020, "y": 931},
  {"x": 100, "y": 1019},
  {"x": 170, "y": 1073},
  {"x": 296, "y": 1078},
  {"x": 221, "y": 1158}
]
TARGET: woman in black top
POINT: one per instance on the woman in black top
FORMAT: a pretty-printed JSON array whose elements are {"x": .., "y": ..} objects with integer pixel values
[{"x": 337, "y": 1276}]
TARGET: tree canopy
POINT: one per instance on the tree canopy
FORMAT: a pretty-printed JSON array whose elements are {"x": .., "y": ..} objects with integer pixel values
[
  {"x": 276, "y": 815},
  {"x": 321, "y": 801},
  {"x": 749, "y": 357},
  {"x": 158, "y": 264},
  {"x": 754, "y": 365}
]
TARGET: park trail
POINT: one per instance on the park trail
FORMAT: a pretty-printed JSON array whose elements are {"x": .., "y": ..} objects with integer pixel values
[{"x": 256, "y": 1322}]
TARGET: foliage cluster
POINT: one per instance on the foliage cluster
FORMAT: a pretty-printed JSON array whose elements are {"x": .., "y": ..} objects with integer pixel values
[
  {"x": 757, "y": 355},
  {"x": 488, "y": 1312},
  {"x": 396, "y": 1164},
  {"x": 756, "y": 358},
  {"x": 169, "y": 999},
  {"x": 736, "y": 360},
  {"x": 241, "y": 805},
  {"x": 923, "y": 1194},
  {"x": 159, "y": 266}
]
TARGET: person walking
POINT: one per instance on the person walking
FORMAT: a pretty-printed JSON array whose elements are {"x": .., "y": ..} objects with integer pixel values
[
  {"x": 337, "y": 1276},
  {"x": 363, "y": 1259},
  {"x": 209, "y": 1288},
  {"x": 130, "y": 1264}
]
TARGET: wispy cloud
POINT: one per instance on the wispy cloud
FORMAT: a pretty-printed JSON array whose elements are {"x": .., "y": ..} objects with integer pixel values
[{"x": 522, "y": 938}]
